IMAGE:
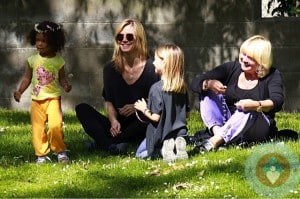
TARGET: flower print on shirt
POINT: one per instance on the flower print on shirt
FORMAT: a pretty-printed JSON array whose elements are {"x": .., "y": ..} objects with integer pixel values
[{"x": 44, "y": 78}]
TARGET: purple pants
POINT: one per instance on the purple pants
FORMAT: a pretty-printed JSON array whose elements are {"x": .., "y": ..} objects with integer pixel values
[{"x": 248, "y": 126}]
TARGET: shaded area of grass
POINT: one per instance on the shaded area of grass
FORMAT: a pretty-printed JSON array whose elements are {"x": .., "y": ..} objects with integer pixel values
[{"x": 97, "y": 174}]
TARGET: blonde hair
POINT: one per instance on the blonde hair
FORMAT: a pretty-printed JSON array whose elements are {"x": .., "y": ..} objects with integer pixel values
[
  {"x": 260, "y": 49},
  {"x": 173, "y": 73},
  {"x": 140, "y": 42}
]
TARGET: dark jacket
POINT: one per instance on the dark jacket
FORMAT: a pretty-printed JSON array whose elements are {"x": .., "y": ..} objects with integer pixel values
[{"x": 270, "y": 87}]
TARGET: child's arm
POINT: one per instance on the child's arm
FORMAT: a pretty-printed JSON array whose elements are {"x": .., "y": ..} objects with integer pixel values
[
  {"x": 24, "y": 84},
  {"x": 141, "y": 105},
  {"x": 63, "y": 80}
]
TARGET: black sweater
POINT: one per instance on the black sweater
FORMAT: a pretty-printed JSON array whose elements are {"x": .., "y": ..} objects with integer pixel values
[{"x": 269, "y": 87}]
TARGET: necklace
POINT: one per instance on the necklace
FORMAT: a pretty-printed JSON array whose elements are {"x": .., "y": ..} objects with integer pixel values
[
  {"x": 132, "y": 73},
  {"x": 249, "y": 80},
  {"x": 247, "y": 83}
]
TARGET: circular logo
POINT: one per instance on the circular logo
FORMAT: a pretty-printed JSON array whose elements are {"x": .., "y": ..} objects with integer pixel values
[{"x": 272, "y": 170}]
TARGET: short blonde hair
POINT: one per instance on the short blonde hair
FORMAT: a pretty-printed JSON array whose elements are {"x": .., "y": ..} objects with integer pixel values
[
  {"x": 173, "y": 73},
  {"x": 260, "y": 49},
  {"x": 140, "y": 43}
]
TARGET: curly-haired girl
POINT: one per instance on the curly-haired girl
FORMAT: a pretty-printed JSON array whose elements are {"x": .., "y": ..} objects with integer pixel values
[{"x": 45, "y": 72}]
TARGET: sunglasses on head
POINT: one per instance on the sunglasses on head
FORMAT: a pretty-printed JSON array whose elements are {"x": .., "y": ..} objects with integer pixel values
[{"x": 129, "y": 37}]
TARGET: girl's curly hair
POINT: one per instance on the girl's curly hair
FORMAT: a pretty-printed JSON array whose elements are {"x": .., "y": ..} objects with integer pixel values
[{"x": 54, "y": 33}]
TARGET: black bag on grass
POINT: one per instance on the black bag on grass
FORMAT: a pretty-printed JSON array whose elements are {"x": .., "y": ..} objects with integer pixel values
[
  {"x": 287, "y": 134},
  {"x": 199, "y": 137}
]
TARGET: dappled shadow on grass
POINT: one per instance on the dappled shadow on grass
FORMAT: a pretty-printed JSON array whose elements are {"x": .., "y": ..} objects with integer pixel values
[
  {"x": 100, "y": 175},
  {"x": 10, "y": 117},
  {"x": 70, "y": 118},
  {"x": 16, "y": 137},
  {"x": 113, "y": 180},
  {"x": 97, "y": 174},
  {"x": 15, "y": 146}
]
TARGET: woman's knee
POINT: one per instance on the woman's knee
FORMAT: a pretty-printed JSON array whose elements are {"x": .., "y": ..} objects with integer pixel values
[{"x": 81, "y": 107}]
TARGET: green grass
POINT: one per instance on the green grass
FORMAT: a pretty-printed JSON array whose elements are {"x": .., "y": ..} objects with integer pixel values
[{"x": 97, "y": 174}]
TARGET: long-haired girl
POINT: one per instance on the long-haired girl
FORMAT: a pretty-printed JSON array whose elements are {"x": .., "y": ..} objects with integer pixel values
[{"x": 167, "y": 108}]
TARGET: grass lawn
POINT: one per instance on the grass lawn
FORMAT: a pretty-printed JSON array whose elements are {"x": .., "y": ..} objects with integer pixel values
[{"x": 218, "y": 174}]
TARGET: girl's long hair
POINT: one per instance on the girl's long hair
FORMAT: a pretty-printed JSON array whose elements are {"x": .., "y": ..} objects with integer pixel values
[
  {"x": 140, "y": 43},
  {"x": 173, "y": 73}
]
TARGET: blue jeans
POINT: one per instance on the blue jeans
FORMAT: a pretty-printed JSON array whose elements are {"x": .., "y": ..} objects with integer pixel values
[
  {"x": 142, "y": 149},
  {"x": 142, "y": 152}
]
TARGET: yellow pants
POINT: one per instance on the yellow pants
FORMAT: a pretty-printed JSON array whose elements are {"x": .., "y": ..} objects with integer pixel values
[{"x": 46, "y": 138}]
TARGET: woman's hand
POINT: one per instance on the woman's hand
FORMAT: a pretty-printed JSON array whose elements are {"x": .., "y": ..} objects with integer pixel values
[
  {"x": 216, "y": 86},
  {"x": 252, "y": 105},
  {"x": 115, "y": 128},
  {"x": 140, "y": 105},
  {"x": 126, "y": 110},
  {"x": 246, "y": 105}
]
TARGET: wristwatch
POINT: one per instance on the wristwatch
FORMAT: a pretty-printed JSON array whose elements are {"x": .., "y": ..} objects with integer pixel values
[{"x": 259, "y": 108}]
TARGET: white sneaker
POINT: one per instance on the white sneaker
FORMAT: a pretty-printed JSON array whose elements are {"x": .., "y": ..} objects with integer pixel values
[
  {"x": 167, "y": 150},
  {"x": 42, "y": 159},
  {"x": 62, "y": 157},
  {"x": 180, "y": 145}
]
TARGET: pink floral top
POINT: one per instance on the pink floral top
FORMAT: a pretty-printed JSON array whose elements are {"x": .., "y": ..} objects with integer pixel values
[{"x": 45, "y": 76}]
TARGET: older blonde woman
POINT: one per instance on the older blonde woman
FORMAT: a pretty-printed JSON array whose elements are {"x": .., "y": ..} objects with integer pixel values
[{"x": 239, "y": 99}]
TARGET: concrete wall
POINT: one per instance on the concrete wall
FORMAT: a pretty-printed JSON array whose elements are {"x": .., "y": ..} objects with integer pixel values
[{"x": 209, "y": 31}]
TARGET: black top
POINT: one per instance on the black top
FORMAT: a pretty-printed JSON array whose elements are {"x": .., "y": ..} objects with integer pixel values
[
  {"x": 269, "y": 87},
  {"x": 172, "y": 108},
  {"x": 119, "y": 93}
]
